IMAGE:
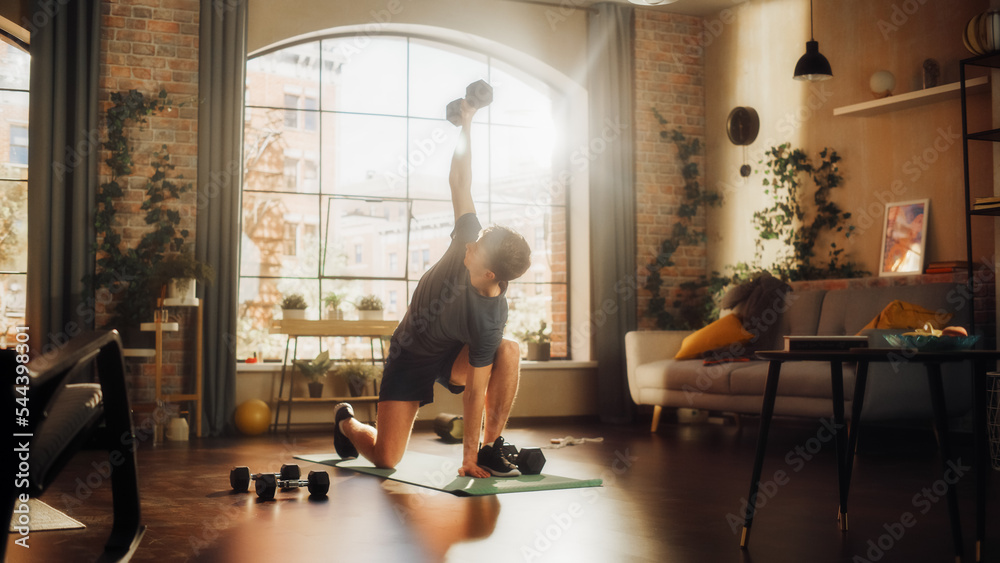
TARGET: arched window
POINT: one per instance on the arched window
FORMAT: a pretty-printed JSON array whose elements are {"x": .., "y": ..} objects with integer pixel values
[
  {"x": 346, "y": 159},
  {"x": 14, "y": 77}
]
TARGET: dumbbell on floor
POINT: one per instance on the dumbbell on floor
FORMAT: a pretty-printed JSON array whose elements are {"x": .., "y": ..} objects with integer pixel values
[
  {"x": 479, "y": 94},
  {"x": 529, "y": 461},
  {"x": 318, "y": 484},
  {"x": 240, "y": 477}
]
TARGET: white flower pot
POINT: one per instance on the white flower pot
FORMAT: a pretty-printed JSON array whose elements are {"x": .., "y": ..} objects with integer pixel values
[
  {"x": 336, "y": 315},
  {"x": 293, "y": 314},
  {"x": 370, "y": 315},
  {"x": 183, "y": 289}
]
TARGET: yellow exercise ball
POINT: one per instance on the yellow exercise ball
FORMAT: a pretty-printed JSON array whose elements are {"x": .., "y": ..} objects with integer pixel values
[{"x": 253, "y": 417}]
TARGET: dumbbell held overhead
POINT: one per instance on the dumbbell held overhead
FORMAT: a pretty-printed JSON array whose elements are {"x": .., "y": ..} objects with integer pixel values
[
  {"x": 479, "y": 94},
  {"x": 240, "y": 477},
  {"x": 318, "y": 484}
]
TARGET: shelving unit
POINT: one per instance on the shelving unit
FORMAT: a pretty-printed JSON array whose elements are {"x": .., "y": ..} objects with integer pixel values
[
  {"x": 294, "y": 329},
  {"x": 913, "y": 99},
  {"x": 159, "y": 328},
  {"x": 967, "y": 87}
]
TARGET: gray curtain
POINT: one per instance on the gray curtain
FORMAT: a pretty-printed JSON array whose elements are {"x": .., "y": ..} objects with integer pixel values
[
  {"x": 612, "y": 202},
  {"x": 220, "y": 136},
  {"x": 62, "y": 168}
]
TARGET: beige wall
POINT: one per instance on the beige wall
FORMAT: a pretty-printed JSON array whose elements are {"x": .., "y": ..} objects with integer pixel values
[
  {"x": 749, "y": 62},
  {"x": 552, "y": 34}
]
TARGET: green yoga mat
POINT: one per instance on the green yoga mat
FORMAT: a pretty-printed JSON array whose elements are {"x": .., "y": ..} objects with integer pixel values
[{"x": 441, "y": 473}]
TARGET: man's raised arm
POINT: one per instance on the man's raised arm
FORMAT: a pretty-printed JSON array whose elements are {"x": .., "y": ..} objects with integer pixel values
[{"x": 460, "y": 177}]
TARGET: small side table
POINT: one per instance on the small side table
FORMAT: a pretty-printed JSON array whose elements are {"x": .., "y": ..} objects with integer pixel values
[
  {"x": 846, "y": 442},
  {"x": 373, "y": 330}
]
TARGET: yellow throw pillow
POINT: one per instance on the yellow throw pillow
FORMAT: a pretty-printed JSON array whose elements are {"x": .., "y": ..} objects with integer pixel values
[
  {"x": 727, "y": 330},
  {"x": 900, "y": 314}
]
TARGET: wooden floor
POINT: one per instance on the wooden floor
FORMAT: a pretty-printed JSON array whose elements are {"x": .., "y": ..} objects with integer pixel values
[{"x": 673, "y": 496}]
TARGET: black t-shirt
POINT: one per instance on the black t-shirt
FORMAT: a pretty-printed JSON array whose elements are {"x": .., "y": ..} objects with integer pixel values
[{"x": 446, "y": 312}]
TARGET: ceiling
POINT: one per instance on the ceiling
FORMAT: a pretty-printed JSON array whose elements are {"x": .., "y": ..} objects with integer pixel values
[{"x": 687, "y": 7}]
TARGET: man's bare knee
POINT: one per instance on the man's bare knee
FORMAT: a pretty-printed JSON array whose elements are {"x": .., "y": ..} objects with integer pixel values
[
  {"x": 386, "y": 460},
  {"x": 509, "y": 350}
]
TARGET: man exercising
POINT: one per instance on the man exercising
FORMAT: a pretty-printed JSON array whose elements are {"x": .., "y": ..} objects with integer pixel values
[{"x": 452, "y": 333}]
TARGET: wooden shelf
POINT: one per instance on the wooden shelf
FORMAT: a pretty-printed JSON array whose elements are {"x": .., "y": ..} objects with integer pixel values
[
  {"x": 365, "y": 329},
  {"x": 165, "y": 327},
  {"x": 913, "y": 99},
  {"x": 364, "y": 399},
  {"x": 178, "y": 302},
  {"x": 139, "y": 352}
]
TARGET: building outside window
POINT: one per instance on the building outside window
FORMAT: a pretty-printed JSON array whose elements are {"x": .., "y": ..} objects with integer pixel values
[
  {"x": 378, "y": 189},
  {"x": 14, "y": 79}
]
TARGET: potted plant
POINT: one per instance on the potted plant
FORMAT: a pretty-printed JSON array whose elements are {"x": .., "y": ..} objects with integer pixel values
[
  {"x": 539, "y": 343},
  {"x": 293, "y": 307},
  {"x": 332, "y": 303},
  {"x": 358, "y": 374},
  {"x": 180, "y": 273},
  {"x": 315, "y": 371},
  {"x": 369, "y": 308}
]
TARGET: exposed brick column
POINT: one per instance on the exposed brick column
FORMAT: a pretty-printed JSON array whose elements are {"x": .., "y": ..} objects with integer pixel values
[
  {"x": 149, "y": 45},
  {"x": 669, "y": 76}
]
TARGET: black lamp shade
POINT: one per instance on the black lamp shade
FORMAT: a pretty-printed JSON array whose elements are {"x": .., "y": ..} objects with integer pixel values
[{"x": 813, "y": 66}]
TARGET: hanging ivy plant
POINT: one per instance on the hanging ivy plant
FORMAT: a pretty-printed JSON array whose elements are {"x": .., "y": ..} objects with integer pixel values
[
  {"x": 801, "y": 232},
  {"x": 123, "y": 270},
  {"x": 691, "y": 307}
]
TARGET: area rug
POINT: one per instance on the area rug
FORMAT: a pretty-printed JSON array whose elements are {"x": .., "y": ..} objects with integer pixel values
[{"x": 43, "y": 517}]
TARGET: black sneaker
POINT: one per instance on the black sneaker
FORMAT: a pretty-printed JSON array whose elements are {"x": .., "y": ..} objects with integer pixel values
[
  {"x": 345, "y": 449},
  {"x": 491, "y": 458}
]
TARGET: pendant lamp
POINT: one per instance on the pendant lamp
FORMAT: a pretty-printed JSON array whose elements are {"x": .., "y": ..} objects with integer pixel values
[{"x": 812, "y": 66}]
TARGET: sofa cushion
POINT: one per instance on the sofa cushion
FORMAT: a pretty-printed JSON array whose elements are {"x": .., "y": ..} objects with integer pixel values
[
  {"x": 902, "y": 315},
  {"x": 848, "y": 311},
  {"x": 686, "y": 375},
  {"x": 800, "y": 315},
  {"x": 723, "y": 332},
  {"x": 798, "y": 379}
]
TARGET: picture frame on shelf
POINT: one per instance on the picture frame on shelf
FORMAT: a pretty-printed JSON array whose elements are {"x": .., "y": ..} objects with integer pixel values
[{"x": 904, "y": 238}]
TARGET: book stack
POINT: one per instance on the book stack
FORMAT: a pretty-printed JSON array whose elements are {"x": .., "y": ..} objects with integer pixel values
[
  {"x": 986, "y": 202},
  {"x": 946, "y": 267},
  {"x": 824, "y": 343}
]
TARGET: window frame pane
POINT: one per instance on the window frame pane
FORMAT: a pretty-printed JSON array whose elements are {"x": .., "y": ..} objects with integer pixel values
[{"x": 416, "y": 169}]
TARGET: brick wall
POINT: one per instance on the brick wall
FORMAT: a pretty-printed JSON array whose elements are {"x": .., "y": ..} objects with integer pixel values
[
  {"x": 149, "y": 45},
  {"x": 669, "y": 76}
]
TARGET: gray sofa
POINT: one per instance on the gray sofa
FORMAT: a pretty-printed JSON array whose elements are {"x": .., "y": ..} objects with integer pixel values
[{"x": 894, "y": 392}]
